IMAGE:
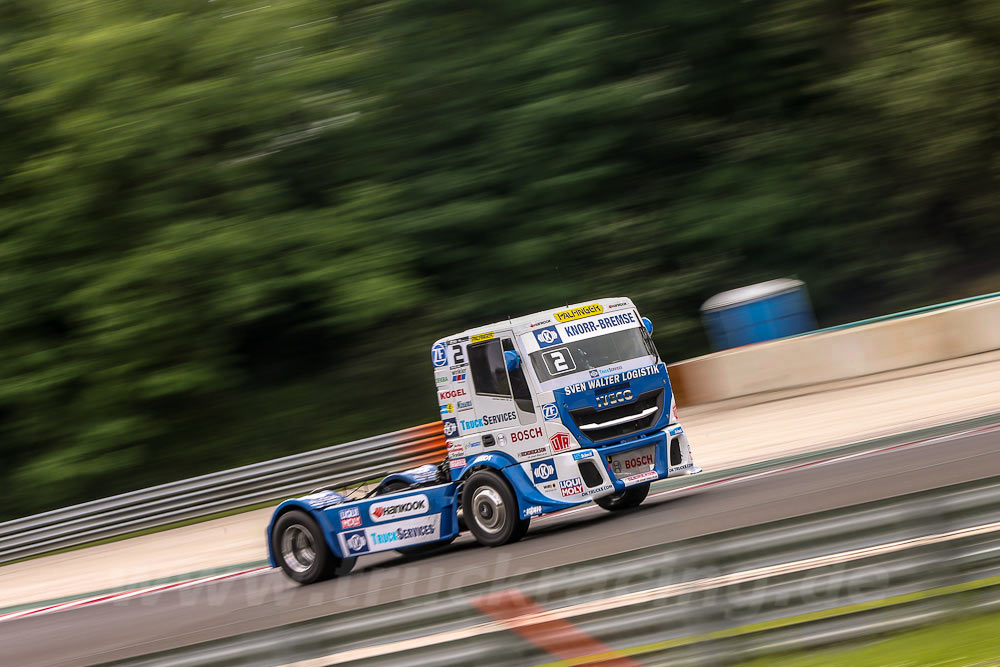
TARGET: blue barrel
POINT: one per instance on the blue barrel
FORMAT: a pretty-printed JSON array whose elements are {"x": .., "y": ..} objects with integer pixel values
[{"x": 756, "y": 313}]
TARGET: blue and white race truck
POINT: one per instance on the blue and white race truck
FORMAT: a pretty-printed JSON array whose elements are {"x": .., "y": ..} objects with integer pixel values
[{"x": 540, "y": 413}]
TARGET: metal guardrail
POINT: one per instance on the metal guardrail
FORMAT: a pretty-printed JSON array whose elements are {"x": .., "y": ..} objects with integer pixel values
[
  {"x": 693, "y": 602},
  {"x": 217, "y": 492}
]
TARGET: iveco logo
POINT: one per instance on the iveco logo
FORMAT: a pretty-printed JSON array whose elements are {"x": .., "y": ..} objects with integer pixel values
[
  {"x": 548, "y": 336},
  {"x": 614, "y": 398}
]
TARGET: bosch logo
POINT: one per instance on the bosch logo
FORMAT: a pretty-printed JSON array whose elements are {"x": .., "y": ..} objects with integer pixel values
[
  {"x": 614, "y": 398},
  {"x": 451, "y": 393},
  {"x": 644, "y": 460},
  {"x": 527, "y": 434},
  {"x": 550, "y": 411}
]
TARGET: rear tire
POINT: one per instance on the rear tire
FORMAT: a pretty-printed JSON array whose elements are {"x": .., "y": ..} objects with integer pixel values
[
  {"x": 624, "y": 500},
  {"x": 490, "y": 510},
  {"x": 298, "y": 545}
]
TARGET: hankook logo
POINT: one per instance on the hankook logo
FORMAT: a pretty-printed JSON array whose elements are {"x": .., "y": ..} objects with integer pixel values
[{"x": 396, "y": 509}]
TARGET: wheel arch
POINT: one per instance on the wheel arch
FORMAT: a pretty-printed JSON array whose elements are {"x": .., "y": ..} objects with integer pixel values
[{"x": 317, "y": 516}]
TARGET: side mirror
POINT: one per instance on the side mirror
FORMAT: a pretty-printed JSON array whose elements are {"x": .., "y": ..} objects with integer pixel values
[
  {"x": 646, "y": 322},
  {"x": 512, "y": 359}
]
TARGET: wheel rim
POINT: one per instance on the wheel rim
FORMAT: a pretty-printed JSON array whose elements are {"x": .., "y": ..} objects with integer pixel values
[
  {"x": 489, "y": 510},
  {"x": 297, "y": 548}
]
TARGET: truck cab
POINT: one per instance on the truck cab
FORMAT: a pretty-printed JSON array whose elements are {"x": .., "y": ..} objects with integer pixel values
[{"x": 568, "y": 405}]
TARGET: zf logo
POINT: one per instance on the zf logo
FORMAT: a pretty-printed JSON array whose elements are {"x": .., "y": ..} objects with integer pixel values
[
  {"x": 547, "y": 336},
  {"x": 543, "y": 471},
  {"x": 439, "y": 355},
  {"x": 550, "y": 412}
]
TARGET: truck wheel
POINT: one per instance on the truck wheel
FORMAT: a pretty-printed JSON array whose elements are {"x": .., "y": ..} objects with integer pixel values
[
  {"x": 624, "y": 500},
  {"x": 490, "y": 510},
  {"x": 298, "y": 546}
]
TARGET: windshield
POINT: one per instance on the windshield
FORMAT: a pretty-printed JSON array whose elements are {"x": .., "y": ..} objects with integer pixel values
[{"x": 612, "y": 348}]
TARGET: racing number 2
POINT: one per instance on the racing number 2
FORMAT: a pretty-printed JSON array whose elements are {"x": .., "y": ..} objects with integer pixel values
[{"x": 559, "y": 361}]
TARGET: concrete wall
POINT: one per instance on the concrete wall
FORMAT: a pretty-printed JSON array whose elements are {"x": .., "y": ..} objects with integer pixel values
[{"x": 807, "y": 360}]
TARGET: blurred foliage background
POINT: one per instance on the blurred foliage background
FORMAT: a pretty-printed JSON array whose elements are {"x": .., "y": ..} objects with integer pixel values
[{"x": 230, "y": 230}]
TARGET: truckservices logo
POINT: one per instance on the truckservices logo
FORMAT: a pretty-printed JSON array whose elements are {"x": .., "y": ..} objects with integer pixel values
[{"x": 399, "y": 508}]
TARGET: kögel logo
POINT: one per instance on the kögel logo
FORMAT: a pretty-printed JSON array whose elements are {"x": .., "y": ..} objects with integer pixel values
[
  {"x": 614, "y": 398},
  {"x": 451, "y": 393},
  {"x": 559, "y": 442},
  {"x": 577, "y": 313},
  {"x": 396, "y": 509}
]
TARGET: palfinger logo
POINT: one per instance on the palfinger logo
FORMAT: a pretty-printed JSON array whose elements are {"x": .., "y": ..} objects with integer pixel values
[{"x": 577, "y": 313}]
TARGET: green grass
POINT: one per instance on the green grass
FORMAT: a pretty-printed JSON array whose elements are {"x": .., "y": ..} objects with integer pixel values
[{"x": 971, "y": 641}]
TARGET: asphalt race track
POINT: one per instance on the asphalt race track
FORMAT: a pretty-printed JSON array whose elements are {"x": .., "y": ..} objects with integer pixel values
[{"x": 155, "y": 622}]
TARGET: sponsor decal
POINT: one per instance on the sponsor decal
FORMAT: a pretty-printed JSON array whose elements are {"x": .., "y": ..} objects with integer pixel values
[
  {"x": 634, "y": 462},
  {"x": 526, "y": 434},
  {"x": 548, "y": 486},
  {"x": 614, "y": 398},
  {"x": 620, "y": 304},
  {"x": 677, "y": 430},
  {"x": 533, "y": 452},
  {"x": 445, "y": 409},
  {"x": 455, "y": 449},
  {"x": 350, "y": 517},
  {"x": 450, "y": 427},
  {"x": 534, "y": 510},
  {"x": 460, "y": 339},
  {"x": 403, "y": 533},
  {"x": 547, "y": 336},
  {"x": 577, "y": 313},
  {"x": 585, "y": 454},
  {"x": 543, "y": 471},
  {"x": 488, "y": 420},
  {"x": 457, "y": 354},
  {"x": 398, "y": 508},
  {"x": 599, "y": 324},
  {"x": 455, "y": 464},
  {"x": 440, "y": 380},
  {"x": 559, "y": 442},
  {"x": 640, "y": 478},
  {"x": 539, "y": 324},
  {"x": 609, "y": 380},
  {"x": 479, "y": 338},
  {"x": 681, "y": 467},
  {"x": 451, "y": 393},
  {"x": 324, "y": 499},
  {"x": 475, "y": 444},
  {"x": 550, "y": 412},
  {"x": 594, "y": 374},
  {"x": 559, "y": 361},
  {"x": 483, "y": 458},
  {"x": 439, "y": 355},
  {"x": 463, "y": 405},
  {"x": 571, "y": 487},
  {"x": 599, "y": 489},
  {"x": 458, "y": 377},
  {"x": 612, "y": 369},
  {"x": 355, "y": 542}
]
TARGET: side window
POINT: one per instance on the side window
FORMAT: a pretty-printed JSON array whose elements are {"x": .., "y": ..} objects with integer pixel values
[
  {"x": 489, "y": 372},
  {"x": 518, "y": 383}
]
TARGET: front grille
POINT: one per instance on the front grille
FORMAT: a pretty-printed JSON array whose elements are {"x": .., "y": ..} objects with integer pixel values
[{"x": 595, "y": 416}]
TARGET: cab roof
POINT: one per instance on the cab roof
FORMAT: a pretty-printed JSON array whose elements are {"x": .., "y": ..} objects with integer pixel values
[{"x": 519, "y": 325}]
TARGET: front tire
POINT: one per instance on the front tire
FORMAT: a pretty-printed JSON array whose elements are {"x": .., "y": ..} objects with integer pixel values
[
  {"x": 490, "y": 510},
  {"x": 624, "y": 500},
  {"x": 298, "y": 545}
]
